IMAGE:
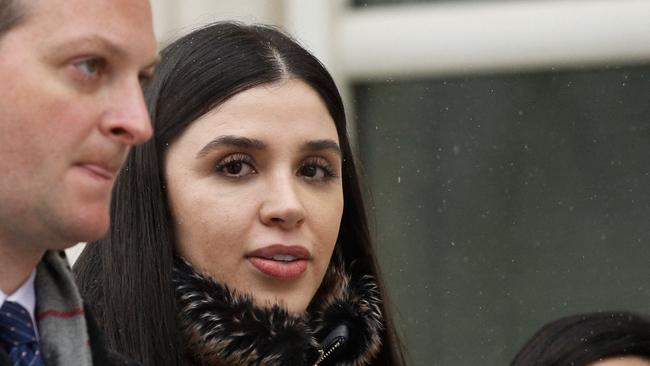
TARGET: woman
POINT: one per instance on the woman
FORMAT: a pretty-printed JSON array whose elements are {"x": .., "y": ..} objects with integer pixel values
[
  {"x": 594, "y": 339},
  {"x": 238, "y": 232}
]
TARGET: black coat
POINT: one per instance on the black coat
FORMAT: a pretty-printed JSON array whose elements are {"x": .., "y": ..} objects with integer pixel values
[
  {"x": 225, "y": 328},
  {"x": 102, "y": 355}
]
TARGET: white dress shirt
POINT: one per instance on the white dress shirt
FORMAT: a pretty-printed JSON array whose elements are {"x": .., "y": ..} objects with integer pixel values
[{"x": 25, "y": 295}]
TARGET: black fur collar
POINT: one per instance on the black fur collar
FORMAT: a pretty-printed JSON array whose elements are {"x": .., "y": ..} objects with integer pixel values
[{"x": 221, "y": 327}]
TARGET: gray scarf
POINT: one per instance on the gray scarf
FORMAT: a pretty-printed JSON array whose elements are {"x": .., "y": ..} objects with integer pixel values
[{"x": 60, "y": 314}]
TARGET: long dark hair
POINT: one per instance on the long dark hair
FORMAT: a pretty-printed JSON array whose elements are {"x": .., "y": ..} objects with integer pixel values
[
  {"x": 127, "y": 277},
  {"x": 582, "y": 339}
]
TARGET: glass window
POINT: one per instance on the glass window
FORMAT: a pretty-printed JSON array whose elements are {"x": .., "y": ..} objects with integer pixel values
[
  {"x": 365, "y": 3},
  {"x": 503, "y": 202}
]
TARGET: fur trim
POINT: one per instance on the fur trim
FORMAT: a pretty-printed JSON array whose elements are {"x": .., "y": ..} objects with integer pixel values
[
  {"x": 223, "y": 327},
  {"x": 355, "y": 304}
]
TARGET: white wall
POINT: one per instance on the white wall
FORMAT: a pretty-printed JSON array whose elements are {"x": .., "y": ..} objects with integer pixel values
[
  {"x": 74, "y": 252},
  {"x": 173, "y": 18},
  {"x": 430, "y": 39}
]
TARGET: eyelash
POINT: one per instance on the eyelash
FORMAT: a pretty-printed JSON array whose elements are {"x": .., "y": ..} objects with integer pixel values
[
  {"x": 230, "y": 161},
  {"x": 243, "y": 159},
  {"x": 318, "y": 163}
]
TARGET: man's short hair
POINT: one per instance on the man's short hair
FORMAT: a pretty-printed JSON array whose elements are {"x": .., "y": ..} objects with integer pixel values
[{"x": 11, "y": 13}]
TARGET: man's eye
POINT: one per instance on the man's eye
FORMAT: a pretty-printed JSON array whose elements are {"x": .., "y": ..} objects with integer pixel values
[
  {"x": 144, "y": 79},
  {"x": 90, "y": 67}
]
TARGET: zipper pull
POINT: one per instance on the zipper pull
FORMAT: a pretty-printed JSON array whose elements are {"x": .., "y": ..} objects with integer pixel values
[{"x": 333, "y": 343}]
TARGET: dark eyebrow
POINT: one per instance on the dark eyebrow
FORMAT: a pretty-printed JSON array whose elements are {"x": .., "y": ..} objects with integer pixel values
[
  {"x": 231, "y": 140},
  {"x": 320, "y": 145}
]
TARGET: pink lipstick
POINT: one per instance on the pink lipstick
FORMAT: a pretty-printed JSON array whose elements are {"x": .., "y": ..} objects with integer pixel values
[{"x": 281, "y": 262}]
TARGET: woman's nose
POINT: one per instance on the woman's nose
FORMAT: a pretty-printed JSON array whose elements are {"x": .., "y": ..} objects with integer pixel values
[{"x": 282, "y": 205}]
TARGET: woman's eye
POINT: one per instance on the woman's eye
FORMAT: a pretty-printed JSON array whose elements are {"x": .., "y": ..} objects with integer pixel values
[
  {"x": 235, "y": 168},
  {"x": 312, "y": 171},
  {"x": 316, "y": 171}
]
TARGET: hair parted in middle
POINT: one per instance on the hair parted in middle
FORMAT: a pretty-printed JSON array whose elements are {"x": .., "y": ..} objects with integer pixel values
[{"x": 127, "y": 276}]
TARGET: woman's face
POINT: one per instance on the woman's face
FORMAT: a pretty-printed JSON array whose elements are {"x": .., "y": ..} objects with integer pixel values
[{"x": 255, "y": 192}]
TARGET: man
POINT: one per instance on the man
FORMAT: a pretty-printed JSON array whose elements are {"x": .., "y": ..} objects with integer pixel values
[{"x": 71, "y": 105}]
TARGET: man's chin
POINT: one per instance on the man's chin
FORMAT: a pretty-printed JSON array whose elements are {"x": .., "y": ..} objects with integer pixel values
[{"x": 84, "y": 229}]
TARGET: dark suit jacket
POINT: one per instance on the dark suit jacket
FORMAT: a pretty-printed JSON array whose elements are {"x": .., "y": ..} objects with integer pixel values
[{"x": 102, "y": 355}]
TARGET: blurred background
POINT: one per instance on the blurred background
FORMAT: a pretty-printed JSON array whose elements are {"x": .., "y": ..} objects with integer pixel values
[{"x": 505, "y": 149}]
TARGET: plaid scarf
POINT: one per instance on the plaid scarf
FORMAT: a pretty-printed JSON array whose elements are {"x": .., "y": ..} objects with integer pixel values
[{"x": 60, "y": 314}]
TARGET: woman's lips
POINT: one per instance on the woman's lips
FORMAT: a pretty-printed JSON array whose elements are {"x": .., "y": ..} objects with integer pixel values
[
  {"x": 280, "y": 261},
  {"x": 279, "y": 269}
]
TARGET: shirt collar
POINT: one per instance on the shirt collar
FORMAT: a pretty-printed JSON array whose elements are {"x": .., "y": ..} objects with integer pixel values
[{"x": 24, "y": 295}]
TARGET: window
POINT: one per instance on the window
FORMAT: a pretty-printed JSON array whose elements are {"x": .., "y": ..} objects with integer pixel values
[
  {"x": 503, "y": 202},
  {"x": 364, "y": 3}
]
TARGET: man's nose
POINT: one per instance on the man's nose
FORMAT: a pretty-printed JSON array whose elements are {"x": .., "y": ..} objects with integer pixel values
[
  {"x": 282, "y": 205},
  {"x": 127, "y": 119}
]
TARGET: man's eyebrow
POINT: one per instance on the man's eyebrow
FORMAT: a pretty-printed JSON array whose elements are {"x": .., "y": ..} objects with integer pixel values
[
  {"x": 97, "y": 41},
  {"x": 92, "y": 41},
  {"x": 320, "y": 145},
  {"x": 231, "y": 140}
]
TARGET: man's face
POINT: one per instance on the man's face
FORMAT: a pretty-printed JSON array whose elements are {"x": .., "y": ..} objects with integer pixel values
[{"x": 71, "y": 105}]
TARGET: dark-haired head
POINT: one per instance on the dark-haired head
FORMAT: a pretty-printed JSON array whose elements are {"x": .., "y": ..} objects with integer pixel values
[
  {"x": 585, "y": 339},
  {"x": 127, "y": 277}
]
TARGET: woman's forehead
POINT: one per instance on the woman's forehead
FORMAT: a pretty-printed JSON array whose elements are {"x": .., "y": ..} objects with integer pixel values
[{"x": 290, "y": 109}]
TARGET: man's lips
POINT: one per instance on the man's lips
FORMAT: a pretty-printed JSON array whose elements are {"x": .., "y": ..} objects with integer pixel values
[
  {"x": 98, "y": 170},
  {"x": 282, "y": 262}
]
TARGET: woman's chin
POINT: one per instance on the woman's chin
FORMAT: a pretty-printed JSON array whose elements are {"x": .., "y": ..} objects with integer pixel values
[{"x": 294, "y": 305}]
